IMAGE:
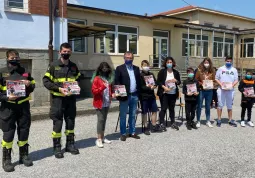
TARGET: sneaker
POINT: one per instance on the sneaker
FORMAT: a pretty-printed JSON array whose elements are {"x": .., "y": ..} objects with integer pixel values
[
  {"x": 156, "y": 128},
  {"x": 107, "y": 141},
  {"x": 209, "y": 124},
  {"x": 232, "y": 123},
  {"x": 163, "y": 127},
  {"x": 134, "y": 136},
  {"x": 99, "y": 143},
  {"x": 219, "y": 123},
  {"x": 193, "y": 125},
  {"x": 188, "y": 125},
  {"x": 198, "y": 124},
  {"x": 147, "y": 132},
  {"x": 250, "y": 123},
  {"x": 174, "y": 126},
  {"x": 123, "y": 138},
  {"x": 242, "y": 123}
]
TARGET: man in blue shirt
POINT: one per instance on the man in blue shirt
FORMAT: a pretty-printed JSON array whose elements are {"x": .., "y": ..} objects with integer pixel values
[{"x": 129, "y": 76}]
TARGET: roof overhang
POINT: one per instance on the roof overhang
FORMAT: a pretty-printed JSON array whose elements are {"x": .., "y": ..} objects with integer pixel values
[
  {"x": 168, "y": 20},
  {"x": 79, "y": 30}
]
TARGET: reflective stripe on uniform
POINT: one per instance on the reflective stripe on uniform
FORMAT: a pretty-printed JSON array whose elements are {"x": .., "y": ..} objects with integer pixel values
[
  {"x": 22, "y": 143},
  {"x": 3, "y": 88},
  {"x": 7, "y": 145},
  {"x": 61, "y": 80},
  {"x": 32, "y": 82},
  {"x": 20, "y": 101},
  {"x": 47, "y": 74},
  {"x": 56, "y": 93},
  {"x": 56, "y": 135},
  {"x": 67, "y": 132},
  {"x": 78, "y": 75}
]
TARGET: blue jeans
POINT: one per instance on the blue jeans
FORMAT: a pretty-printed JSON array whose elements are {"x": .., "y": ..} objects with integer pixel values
[
  {"x": 130, "y": 104},
  {"x": 207, "y": 95}
]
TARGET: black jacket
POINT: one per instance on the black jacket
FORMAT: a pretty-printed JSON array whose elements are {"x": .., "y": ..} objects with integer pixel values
[
  {"x": 162, "y": 78},
  {"x": 245, "y": 84},
  {"x": 184, "y": 89},
  {"x": 122, "y": 78},
  {"x": 146, "y": 92}
]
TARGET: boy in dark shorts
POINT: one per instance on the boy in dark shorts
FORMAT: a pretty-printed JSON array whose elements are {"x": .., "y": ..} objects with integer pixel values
[{"x": 148, "y": 99}]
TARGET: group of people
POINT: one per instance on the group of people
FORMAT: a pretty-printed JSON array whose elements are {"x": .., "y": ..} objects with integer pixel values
[{"x": 15, "y": 110}]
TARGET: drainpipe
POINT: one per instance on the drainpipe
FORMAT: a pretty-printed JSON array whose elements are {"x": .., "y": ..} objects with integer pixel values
[{"x": 50, "y": 46}]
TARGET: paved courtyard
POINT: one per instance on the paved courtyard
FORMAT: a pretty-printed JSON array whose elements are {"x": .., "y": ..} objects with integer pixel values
[{"x": 215, "y": 152}]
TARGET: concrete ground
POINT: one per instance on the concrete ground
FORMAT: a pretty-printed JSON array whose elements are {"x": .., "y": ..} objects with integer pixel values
[{"x": 206, "y": 152}]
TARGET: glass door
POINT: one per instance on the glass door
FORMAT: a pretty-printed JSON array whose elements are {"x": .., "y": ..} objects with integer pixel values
[{"x": 160, "y": 50}]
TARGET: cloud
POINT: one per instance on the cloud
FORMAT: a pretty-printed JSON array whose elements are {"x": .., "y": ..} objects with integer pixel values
[{"x": 78, "y": 2}]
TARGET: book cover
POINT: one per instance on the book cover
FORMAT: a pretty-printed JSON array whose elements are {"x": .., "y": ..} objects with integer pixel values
[
  {"x": 120, "y": 90},
  {"x": 207, "y": 84},
  {"x": 149, "y": 80},
  {"x": 191, "y": 88},
  {"x": 15, "y": 88},
  {"x": 227, "y": 86},
  {"x": 72, "y": 88},
  {"x": 170, "y": 85},
  {"x": 249, "y": 91}
]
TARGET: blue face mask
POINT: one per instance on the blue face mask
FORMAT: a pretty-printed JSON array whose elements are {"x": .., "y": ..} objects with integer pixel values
[
  {"x": 190, "y": 75},
  {"x": 169, "y": 66},
  {"x": 248, "y": 77},
  {"x": 228, "y": 64},
  {"x": 128, "y": 62}
]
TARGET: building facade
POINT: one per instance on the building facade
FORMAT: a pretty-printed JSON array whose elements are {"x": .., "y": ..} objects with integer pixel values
[{"x": 24, "y": 25}]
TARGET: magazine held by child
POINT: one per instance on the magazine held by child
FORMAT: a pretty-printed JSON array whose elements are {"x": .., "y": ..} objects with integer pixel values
[
  {"x": 72, "y": 88},
  {"x": 227, "y": 86},
  {"x": 16, "y": 88},
  {"x": 191, "y": 89},
  {"x": 207, "y": 84},
  {"x": 120, "y": 90},
  {"x": 149, "y": 80},
  {"x": 170, "y": 85},
  {"x": 249, "y": 91}
]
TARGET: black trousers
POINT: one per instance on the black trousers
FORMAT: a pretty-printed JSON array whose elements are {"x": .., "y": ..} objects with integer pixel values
[
  {"x": 168, "y": 102},
  {"x": 215, "y": 97},
  {"x": 190, "y": 110},
  {"x": 246, "y": 106},
  {"x": 63, "y": 107},
  {"x": 12, "y": 116}
]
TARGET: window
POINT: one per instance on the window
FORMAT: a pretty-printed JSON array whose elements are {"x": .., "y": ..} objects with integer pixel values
[
  {"x": 223, "y": 26},
  {"x": 219, "y": 47},
  {"x": 209, "y": 24},
  {"x": 247, "y": 47},
  {"x": 197, "y": 46},
  {"x": 78, "y": 44},
  {"x": 16, "y": 5},
  {"x": 118, "y": 40}
]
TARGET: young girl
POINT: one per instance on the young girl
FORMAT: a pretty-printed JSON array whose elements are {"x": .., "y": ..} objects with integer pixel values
[
  {"x": 247, "y": 100},
  {"x": 102, "y": 92},
  {"x": 148, "y": 99}
]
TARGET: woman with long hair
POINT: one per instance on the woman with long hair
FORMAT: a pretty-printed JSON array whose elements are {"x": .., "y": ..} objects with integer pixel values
[
  {"x": 102, "y": 91},
  {"x": 205, "y": 76},
  {"x": 168, "y": 81}
]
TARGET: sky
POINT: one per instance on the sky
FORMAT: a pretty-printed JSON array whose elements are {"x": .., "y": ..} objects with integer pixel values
[{"x": 243, "y": 7}]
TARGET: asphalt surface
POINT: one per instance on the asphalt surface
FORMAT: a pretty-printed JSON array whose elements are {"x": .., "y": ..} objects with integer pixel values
[{"x": 206, "y": 152}]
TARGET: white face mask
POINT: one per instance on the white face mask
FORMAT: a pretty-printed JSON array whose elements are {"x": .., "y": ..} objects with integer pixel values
[
  {"x": 146, "y": 69},
  {"x": 206, "y": 65}
]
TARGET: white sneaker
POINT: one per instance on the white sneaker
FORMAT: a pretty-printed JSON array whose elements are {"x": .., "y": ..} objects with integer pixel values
[
  {"x": 209, "y": 124},
  {"x": 250, "y": 123},
  {"x": 99, "y": 143},
  {"x": 198, "y": 125},
  {"x": 107, "y": 141},
  {"x": 242, "y": 123}
]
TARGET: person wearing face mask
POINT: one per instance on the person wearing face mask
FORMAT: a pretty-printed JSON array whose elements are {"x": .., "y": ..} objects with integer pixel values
[
  {"x": 248, "y": 98},
  {"x": 102, "y": 90},
  {"x": 63, "y": 104},
  {"x": 15, "y": 110},
  {"x": 190, "y": 99},
  {"x": 205, "y": 72},
  {"x": 168, "y": 91},
  {"x": 148, "y": 99},
  {"x": 128, "y": 75},
  {"x": 227, "y": 78}
]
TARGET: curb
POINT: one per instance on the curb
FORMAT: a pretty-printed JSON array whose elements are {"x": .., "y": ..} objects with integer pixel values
[{"x": 92, "y": 111}]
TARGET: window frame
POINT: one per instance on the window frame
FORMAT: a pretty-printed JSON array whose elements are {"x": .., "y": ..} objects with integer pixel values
[
  {"x": 196, "y": 40},
  {"x": 116, "y": 40},
  {"x": 85, "y": 38},
  {"x": 245, "y": 45},
  {"x": 223, "y": 46},
  {"x": 14, "y": 9}
]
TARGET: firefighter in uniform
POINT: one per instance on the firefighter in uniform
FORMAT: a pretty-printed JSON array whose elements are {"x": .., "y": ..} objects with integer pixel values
[
  {"x": 15, "y": 110},
  {"x": 63, "y": 104}
]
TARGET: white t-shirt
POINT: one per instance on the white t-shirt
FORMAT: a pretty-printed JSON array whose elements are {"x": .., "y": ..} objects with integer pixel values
[
  {"x": 225, "y": 74},
  {"x": 170, "y": 76}
]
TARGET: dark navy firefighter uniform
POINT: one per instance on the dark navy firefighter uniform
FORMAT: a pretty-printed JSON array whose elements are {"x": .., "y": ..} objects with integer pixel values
[{"x": 62, "y": 106}]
